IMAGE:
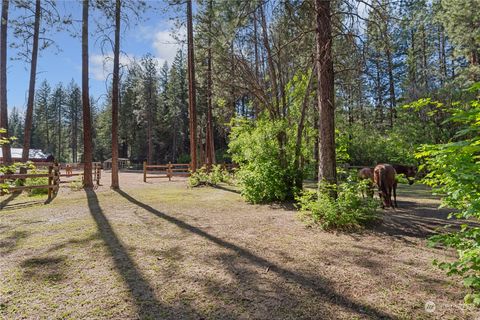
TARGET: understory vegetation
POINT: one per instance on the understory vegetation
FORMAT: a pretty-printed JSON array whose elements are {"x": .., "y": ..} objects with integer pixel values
[
  {"x": 454, "y": 173},
  {"x": 209, "y": 177},
  {"x": 291, "y": 93},
  {"x": 349, "y": 211}
]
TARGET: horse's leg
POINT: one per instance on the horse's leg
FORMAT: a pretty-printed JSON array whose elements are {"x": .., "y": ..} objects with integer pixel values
[
  {"x": 381, "y": 198},
  {"x": 395, "y": 194}
]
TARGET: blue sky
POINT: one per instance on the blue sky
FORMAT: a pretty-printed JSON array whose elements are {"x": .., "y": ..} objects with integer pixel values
[{"x": 151, "y": 35}]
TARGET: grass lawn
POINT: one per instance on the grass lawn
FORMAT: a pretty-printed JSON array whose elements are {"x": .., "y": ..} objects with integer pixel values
[{"x": 163, "y": 251}]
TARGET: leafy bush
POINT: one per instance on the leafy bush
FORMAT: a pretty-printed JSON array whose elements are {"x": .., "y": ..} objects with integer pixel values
[
  {"x": 369, "y": 146},
  {"x": 13, "y": 168},
  {"x": 37, "y": 182},
  {"x": 454, "y": 173},
  {"x": 265, "y": 171},
  {"x": 184, "y": 158},
  {"x": 349, "y": 211},
  {"x": 76, "y": 185},
  {"x": 203, "y": 177}
]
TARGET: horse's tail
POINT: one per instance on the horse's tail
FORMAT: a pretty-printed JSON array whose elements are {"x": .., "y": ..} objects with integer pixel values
[{"x": 382, "y": 181}]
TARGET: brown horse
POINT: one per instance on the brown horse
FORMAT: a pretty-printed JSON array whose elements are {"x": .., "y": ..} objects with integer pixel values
[
  {"x": 367, "y": 174},
  {"x": 384, "y": 178},
  {"x": 408, "y": 171}
]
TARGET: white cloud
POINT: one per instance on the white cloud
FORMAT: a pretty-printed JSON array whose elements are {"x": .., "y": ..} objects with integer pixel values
[
  {"x": 165, "y": 39},
  {"x": 101, "y": 66},
  {"x": 165, "y": 45}
]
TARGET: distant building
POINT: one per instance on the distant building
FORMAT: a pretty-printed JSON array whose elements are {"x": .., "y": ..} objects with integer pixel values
[
  {"x": 35, "y": 155},
  {"x": 122, "y": 163}
]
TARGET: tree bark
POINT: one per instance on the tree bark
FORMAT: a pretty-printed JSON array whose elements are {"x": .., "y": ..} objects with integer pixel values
[
  {"x": 115, "y": 95},
  {"x": 326, "y": 94},
  {"x": 298, "y": 145},
  {"x": 210, "y": 147},
  {"x": 31, "y": 88},
  {"x": 257, "y": 61},
  {"x": 7, "y": 156},
  {"x": 391, "y": 84},
  {"x": 150, "y": 117},
  {"x": 271, "y": 65},
  {"x": 87, "y": 123},
  {"x": 191, "y": 90}
]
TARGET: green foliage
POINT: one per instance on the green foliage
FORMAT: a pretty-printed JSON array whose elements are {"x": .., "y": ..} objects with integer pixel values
[
  {"x": 37, "y": 182},
  {"x": 184, "y": 158},
  {"x": 203, "y": 177},
  {"x": 76, "y": 185},
  {"x": 454, "y": 173},
  {"x": 255, "y": 147},
  {"x": 369, "y": 146},
  {"x": 348, "y": 212},
  {"x": 12, "y": 169}
]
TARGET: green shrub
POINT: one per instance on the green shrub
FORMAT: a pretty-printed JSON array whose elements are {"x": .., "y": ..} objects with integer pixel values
[
  {"x": 36, "y": 182},
  {"x": 265, "y": 172},
  {"x": 348, "y": 212},
  {"x": 454, "y": 173},
  {"x": 184, "y": 158},
  {"x": 369, "y": 146},
  {"x": 76, "y": 185},
  {"x": 203, "y": 177}
]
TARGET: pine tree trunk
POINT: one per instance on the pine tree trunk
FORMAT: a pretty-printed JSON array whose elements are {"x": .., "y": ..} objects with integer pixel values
[
  {"x": 191, "y": 90},
  {"x": 87, "y": 123},
  {"x": 210, "y": 148},
  {"x": 257, "y": 60},
  {"x": 424, "y": 60},
  {"x": 59, "y": 124},
  {"x": 326, "y": 94},
  {"x": 31, "y": 88},
  {"x": 298, "y": 144},
  {"x": 413, "y": 67},
  {"x": 7, "y": 156},
  {"x": 391, "y": 85},
  {"x": 271, "y": 65},
  {"x": 115, "y": 93},
  {"x": 150, "y": 124},
  {"x": 378, "y": 83}
]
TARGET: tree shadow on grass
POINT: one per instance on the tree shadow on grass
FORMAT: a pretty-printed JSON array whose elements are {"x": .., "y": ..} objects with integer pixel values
[
  {"x": 418, "y": 221},
  {"x": 9, "y": 199},
  {"x": 226, "y": 188},
  {"x": 44, "y": 269},
  {"x": 319, "y": 286},
  {"x": 8, "y": 244},
  {"x": 147, "y": 304}
]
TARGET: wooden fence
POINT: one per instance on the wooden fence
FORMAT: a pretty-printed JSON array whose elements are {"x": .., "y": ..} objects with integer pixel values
[
  {"x": 53, "y": 176},
  {"x": 96, "y": 173},
  {"x": 169, "y": 170},
  {"x": 69, "y": 167}
]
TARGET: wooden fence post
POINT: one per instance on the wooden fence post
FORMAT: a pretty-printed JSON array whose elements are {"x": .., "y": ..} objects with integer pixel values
[
  {"x": 144, "y": 171},
  {"x": 56, "y": 179},
  {"x": 98, "y": 172},
  {"x": 50, "y": 180},
  {"x": 169, "y": 171}
]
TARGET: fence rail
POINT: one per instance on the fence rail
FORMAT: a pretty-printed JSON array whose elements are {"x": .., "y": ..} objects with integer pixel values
[
  {"x": 169, "y": 170},
  {"x": 53, "y": 185},
  {"x": 54, "y": 176}
]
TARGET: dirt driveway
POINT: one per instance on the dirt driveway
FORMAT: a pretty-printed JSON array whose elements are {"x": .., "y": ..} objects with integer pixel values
[{"x": 163, "y": 251}]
